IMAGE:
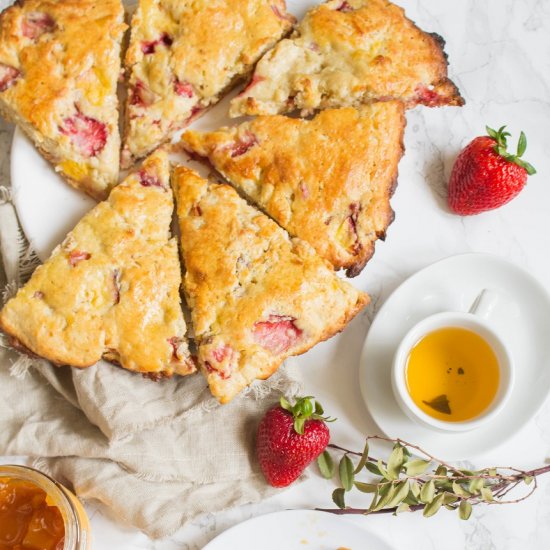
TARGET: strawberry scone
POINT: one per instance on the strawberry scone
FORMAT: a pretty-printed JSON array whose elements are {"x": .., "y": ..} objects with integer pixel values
[
  {"x": 111, "y": 289},
  {"x": 59, "y": 68},
  {"x": 328, "y": 180},
  {"x": 184, "y": 55},
  {"x": 348, "y": 52},
  {"x": 256, "y": 295}
]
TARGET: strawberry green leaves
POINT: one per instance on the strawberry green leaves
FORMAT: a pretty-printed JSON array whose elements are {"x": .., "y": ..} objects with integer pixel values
[
  {"x": 522, "y": 145},
  {"x": 500, "y": 136},
  {"x": 305, "y": 408}
]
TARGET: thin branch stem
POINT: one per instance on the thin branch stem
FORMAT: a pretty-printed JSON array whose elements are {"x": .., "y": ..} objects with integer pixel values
[
  {"x": 498, "y": 482},
  {"x": 347, "y": 451},
  {"x": 416, "y": 507},
  {"x": 419, "y": 449}
]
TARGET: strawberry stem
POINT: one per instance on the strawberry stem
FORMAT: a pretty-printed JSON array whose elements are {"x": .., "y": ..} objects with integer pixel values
[
  {"x": 500, "y": 136},
  {"x": 305, "y": 408}
]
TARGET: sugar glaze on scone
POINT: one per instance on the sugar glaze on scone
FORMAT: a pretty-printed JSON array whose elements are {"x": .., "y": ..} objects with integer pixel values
[
  {"x": 256, "y": 295},
  {"x": 59, "y": 68},
  {"x": 348, "y": 52},
  {"x": 111, "y": 289},
  {"x": 327, "y": 180},
  {"x": 184, "y": 55}
]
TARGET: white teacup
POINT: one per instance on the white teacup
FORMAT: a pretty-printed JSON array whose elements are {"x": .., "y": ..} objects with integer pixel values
[{"x": 476, "y": 320}]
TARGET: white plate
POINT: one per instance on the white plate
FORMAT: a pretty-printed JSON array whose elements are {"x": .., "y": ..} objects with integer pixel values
[
  {"x": 452, "y": 285},
  {"x": 297, "y": 530}
]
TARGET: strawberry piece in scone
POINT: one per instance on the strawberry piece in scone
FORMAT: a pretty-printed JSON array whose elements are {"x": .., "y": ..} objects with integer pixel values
[
  {"x": 59, "y": 68},
  {"x": 111, "y": 289},
  {"x": 327, "y": 180},
  {"x": 277, "y": 334},
  {"x": 36, "y": 23},
  {"x": 256, "y": 295},
  {"x": 87, "y": 134},
  {"x": 185, "y": 55},
  {"x": 8, "y": 76},
  {"x": 346, "y": 53}
]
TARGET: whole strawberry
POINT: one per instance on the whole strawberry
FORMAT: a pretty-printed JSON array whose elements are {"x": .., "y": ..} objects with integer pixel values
[
  {"x": 485, "y": 176},
  {"x": 289, "y": 438}
]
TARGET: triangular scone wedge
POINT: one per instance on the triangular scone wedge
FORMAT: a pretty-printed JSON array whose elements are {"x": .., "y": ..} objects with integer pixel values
[
  {"x": 184, "y": 55},
  {"x": 327, "y": 180},
  {"x": 111, "y": 289},
  {"x": 256, "y": 296},
  {"x": 348, "y": 52},
  {"x": 59, "y": 68}
]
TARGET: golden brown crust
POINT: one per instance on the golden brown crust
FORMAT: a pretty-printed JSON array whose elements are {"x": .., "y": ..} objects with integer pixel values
[
  {"x": 111, "y": 289},
  {"x": 59, "y": 67},
  {"x": 256, "y": 296},
  {"x": 327, "y": 180},
  {"x": 184, "y": 55},
  {"x": 349, "y": 52}
]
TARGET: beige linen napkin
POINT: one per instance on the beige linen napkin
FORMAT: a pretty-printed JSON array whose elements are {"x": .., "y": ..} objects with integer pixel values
[{"x": 156, "y": 453}]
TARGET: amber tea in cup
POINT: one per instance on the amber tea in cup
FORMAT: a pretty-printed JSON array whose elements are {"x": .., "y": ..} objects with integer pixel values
[{"x": 452, "y": 374}]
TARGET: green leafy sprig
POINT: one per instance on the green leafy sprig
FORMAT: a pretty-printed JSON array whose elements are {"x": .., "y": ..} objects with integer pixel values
[
  {"x": 500, "y": 136},
  {"x": 412, "y": 480},
  {"x": 305, "y": 408}
]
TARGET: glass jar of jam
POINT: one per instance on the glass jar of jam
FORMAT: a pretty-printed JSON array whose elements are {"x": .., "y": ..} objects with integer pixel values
[{"x": 38, "y": 513}]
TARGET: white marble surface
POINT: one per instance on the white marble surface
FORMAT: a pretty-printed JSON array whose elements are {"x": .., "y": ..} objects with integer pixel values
[{"x": 499, "y": 52}]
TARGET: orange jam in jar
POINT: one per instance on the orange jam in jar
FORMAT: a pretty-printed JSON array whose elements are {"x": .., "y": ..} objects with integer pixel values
[
  {"x": 37, "y": 513},
  {"x": 27, "y": 520}
]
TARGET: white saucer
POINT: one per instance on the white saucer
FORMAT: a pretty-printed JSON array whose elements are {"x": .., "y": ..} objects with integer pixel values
[
  {"x": 452, "y": 285},
  {"x": 296, "y": 530}
]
